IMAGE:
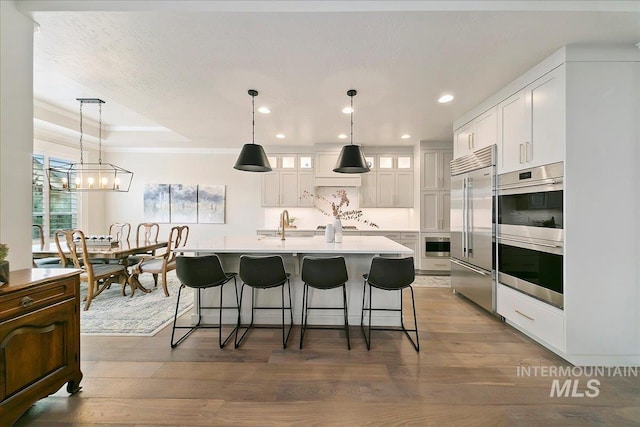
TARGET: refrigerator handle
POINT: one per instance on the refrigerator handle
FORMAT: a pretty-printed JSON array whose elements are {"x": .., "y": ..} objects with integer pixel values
[
  {"x": 464, "y": 217},
  {"x": 469, "y": 214}
]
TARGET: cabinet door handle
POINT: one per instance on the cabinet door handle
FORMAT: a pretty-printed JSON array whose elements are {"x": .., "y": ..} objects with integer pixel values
[
  {"x": 526, "y": 151},
  {"x": 520, "y": 152},
  {"x": 473, "y": 140},
  {"x": 26, "y": 302},
  {"x": 469, "y": 141},
  {"x": 524, "y": 315}
]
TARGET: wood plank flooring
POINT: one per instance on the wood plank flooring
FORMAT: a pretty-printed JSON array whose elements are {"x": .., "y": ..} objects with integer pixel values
[{"x": 464, "y": 375}]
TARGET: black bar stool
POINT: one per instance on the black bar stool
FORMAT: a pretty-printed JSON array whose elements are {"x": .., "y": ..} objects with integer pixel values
[
  {"x": 390, "y": 274},
  {"x": 203, "y": 272},
  {"x": 263, "y": 272},
  {"x": 324, "y": 274}
]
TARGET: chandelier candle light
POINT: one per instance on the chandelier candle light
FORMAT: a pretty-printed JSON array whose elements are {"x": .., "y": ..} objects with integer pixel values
[{"x": 90, "y": 176}]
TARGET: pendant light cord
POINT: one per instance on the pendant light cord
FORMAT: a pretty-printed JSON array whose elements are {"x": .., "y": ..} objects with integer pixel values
[
  {"x": 253, "y": 119},
  {"x": 81, "y": 134},
  {"x": 100, "y": 134},
  {"x": 351, "y": 119},
  {"x": 82, "y": 101}
]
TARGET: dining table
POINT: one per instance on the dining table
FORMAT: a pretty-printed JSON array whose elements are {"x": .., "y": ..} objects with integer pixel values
[{"x": 120, "y": 251}]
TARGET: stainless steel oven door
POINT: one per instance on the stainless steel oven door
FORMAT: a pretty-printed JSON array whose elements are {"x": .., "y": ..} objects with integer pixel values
[
  {"x": 535, "y": 269},
  {"x": 437, "y": 247},
  {"x": 530, "y": 203}
]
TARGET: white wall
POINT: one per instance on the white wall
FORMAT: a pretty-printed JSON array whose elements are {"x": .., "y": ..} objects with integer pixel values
[
  {"x": 243, "y": 190},
  {"x": 16, "y": 132}
]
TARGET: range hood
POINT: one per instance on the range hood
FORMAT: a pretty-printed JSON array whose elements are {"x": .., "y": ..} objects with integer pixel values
[
  {"x": 346, "y": 181},
  {"x": 326, "y": 177}
]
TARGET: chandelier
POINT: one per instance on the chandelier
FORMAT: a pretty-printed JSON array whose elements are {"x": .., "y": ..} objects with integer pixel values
[{"x": 90, "y": 176}]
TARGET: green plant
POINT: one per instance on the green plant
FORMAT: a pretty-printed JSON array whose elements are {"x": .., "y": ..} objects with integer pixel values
[
  {"x": 4, "y": 251},
  {"x": 335, "y": 209}
]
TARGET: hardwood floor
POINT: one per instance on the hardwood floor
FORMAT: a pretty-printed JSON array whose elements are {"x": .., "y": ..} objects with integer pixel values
[{"x": 465, "y": 375}]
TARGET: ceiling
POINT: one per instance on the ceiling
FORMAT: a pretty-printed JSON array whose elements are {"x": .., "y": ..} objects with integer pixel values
[{"x": 176, "y": 74}]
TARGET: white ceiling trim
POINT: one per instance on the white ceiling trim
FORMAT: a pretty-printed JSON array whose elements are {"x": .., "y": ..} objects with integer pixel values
[{"x": 328, "y": 6}]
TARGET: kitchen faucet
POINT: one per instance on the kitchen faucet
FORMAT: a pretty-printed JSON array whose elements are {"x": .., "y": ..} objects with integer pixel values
[{"x": 284, "y": 221}]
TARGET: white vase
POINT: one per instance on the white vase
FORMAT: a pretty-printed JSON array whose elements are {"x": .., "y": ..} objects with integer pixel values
[
  {"x": 329, "y": 233},
  {"x": 337, "y": 225},
  {"x": 337, "y": 230}
]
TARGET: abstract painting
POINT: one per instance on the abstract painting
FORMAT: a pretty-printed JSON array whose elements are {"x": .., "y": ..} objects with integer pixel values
[
  {"x": 184, "y": 203},
  {"x": 156, "y": 203},
  {"x": 211, "y": 204}
]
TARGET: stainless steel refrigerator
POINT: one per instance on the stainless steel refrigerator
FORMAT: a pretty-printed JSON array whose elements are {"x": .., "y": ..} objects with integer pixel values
[{"x": 473, "y": 179}]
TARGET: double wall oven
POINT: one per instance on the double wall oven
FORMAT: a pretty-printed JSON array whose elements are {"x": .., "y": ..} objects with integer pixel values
[{"x": 530, "y": 232}]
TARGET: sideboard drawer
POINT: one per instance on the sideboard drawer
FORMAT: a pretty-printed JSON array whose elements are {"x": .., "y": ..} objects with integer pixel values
[{"x": 27, "y": 300}]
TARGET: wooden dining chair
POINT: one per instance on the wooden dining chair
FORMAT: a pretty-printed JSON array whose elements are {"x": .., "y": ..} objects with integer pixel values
[
  {"x": 48, "y": 262},
  {"x": 163, "y": 263},
  {"x": 98, "y": 276},
  {"x": 120, "y": 231},
  {"x": 146, "y": 232}
]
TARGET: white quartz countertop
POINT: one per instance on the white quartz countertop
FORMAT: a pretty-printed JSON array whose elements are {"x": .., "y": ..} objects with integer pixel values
[
  {"x": 373, "y": 231},
  {"x": 295, "y": 245}
]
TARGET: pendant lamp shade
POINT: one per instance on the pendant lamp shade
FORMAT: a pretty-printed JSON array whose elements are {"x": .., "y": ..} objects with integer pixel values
[
  {"x": 351, "y": 159},
  {"x": 252, "y": 157}
]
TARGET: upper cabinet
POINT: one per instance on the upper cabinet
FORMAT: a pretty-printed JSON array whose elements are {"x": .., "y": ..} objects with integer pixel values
[
  {"x": 436, "y": 169},
  {"x": 292, "y": 174},
  {"x": 478, "y": 133},
  {"x": 389, "y": 184},
  {"x": 531, "y": 124}
]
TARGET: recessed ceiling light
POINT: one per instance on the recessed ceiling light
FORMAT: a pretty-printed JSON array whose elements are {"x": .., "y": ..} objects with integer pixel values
[
  {"x": 264, "y": 110},
  {"x": 445, "y": 98},
  {"x": 342, "y": 136},
  {"x": 405, "y": 136},
  {"x": 280, "y": 135},
  {"x": 347, "y": 110}
]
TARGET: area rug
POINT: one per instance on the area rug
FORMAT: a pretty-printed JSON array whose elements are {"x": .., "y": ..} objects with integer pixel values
[
  {"x": 143, "y": 314},
  {"x": 432, "y": 282}
]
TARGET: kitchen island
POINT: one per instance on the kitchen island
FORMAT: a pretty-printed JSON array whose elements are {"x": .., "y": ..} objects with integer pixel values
[{"x": 357, "y": 251}]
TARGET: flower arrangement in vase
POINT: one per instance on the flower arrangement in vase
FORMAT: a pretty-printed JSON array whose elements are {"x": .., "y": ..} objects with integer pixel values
[{"x": 337, "y": 209}]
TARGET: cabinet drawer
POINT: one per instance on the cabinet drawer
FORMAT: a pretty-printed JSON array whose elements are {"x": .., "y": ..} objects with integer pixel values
[
  {"x": 33, "y": 298},
  {"x": 436, "y": 264},
  {"x": 537, "y": 319},
  {"x": 409, "y": 236}
]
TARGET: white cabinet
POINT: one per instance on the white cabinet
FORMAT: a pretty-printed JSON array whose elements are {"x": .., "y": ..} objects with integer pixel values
[
  {"x": 405, "y": 238},
  {"x": 436, "y": 169},
  {"x": 435, "y": 210},
  {"x": 305, "y": 183},
  {"x": 532, "y": 124},
  {"x": 533, "y": 317},
  {"x": 480, "y": 132},
  {"x": 390, "y": 183},
  {"x": 285, "y": 184},
  {"x": 385, "y": 189},
  {"x": 369, "y": 190}
]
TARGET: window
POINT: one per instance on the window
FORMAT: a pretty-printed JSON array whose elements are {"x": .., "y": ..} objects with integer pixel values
[{"x": 53, "y": 210}]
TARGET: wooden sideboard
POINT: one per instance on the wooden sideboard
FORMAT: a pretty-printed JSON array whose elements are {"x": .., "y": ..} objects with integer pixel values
[{"x": 39, "y": 338}]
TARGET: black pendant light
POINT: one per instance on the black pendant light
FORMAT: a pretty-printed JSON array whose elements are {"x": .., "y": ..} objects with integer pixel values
[
  {"x": 252, "y": 157},
  {"x": 351, "y": 159}
]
